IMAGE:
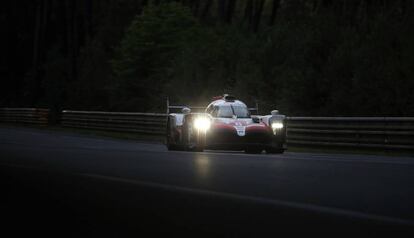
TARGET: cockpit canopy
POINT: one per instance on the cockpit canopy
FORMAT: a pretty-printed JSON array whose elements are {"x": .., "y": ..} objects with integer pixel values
[{"x": 228, "y": 110}]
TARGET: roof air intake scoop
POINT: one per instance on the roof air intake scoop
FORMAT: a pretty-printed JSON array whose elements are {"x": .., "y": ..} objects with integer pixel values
[{"x": 229, "y": 98}]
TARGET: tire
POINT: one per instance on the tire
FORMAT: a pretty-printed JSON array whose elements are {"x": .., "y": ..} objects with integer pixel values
[
  {"x": 253, "y": 150},
  {"x": 198, "y": 149},
  {"x": 200, "y": 145},
  {"x": 198, "y": 142},
  {"x": 170, "y": 146},
  {"x": 195, "y": 148},
  {"x": 275, "y": 150}
]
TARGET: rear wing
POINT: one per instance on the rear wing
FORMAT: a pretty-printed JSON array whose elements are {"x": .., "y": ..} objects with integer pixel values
[
  {"x": 196, "y": 108},
  {"x": 254, "y": 109},
  {"x": 180, "y": 107}
]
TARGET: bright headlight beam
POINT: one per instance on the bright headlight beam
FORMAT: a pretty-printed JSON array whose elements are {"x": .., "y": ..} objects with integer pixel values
[
  {"x": 202, "y": 123},
  {"x": 277, "y": 125}
]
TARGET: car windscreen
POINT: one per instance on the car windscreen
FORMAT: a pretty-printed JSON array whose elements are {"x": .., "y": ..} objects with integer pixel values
[
  {"x": 241, "y": 112},
  {"x": 227, "y": 111}
]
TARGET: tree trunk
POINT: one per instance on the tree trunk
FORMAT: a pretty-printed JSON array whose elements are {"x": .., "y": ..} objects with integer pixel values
[
  {"x": 36, "y": 38},
  {"x": 248, "y": 12},
  {"x": 221, "y": 9},
  {"x": 231, "y": 4},
  {"x": 75, "y": 38},
  {"x": 258, "y": 9},
  {"x": 87, "y": 19},
  {"x": 69, "y": 39},
  {"x": 206, "y": 9},
  {"x": 195, "y": 6},
  {"x": 275, "y": 8},
  {"x": 31, "y": 79}
]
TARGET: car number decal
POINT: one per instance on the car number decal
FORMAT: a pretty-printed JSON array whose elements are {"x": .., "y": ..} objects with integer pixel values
[{"x": 241, "y": 130}]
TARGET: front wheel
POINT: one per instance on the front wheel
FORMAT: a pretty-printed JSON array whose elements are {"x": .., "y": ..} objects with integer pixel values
[
  {"x": 195, "y": 147},
  {"x": 171, "y": 147},
  {"x": 253, "y": 150},
  {"x": 198, "y": 141},
  {"x": 275, "y": 150},
  {"x": 198, "y": 149},
  {"x": 169, "y": 140}
]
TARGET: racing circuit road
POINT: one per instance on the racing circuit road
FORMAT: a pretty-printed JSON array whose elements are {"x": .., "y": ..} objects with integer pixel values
[{"x": 64, "y": 184}]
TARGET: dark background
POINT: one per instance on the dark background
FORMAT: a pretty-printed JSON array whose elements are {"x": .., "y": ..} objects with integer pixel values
[{"x": 307, "y": 58}]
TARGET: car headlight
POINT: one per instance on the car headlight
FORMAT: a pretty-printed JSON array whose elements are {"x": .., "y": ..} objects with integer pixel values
[
  {"x": 277, "y": 125},
  {"x": 202, "y": 123}
]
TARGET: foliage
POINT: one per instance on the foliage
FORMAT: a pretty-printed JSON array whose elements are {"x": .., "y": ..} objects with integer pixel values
[
  {"x": 150, "y": 45},
  {"x": 307, "y": 58}
]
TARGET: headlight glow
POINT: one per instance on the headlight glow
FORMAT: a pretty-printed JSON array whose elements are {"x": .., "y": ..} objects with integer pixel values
[
  {"x": 202, "y": 123},
  {"x": 277, "y": 125}
]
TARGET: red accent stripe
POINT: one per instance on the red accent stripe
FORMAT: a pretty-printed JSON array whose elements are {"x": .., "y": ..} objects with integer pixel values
[
  {"x": 223, "y": 126},
  {"x": 258, "y": 128}
]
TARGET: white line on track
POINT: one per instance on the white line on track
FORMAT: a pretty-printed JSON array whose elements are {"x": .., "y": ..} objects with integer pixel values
[
  {"x": 254, "y": 199},
  {"x": 314, "y": 157},
  {"x": 274, "y": 202},
  {"x": 20, "y": 166}
]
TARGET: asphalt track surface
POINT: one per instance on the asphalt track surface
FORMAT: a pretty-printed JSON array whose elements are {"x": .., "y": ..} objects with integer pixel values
[{"x": 68, "y": 185}]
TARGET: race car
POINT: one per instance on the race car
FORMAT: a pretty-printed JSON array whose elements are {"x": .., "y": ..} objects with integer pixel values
[{"x": 225, "y": 124}]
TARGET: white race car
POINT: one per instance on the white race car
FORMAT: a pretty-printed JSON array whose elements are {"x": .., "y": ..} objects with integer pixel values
[{"x": 226, "y": 124}]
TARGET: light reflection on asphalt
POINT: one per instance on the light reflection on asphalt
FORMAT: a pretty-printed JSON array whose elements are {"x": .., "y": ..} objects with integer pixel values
[{"x": 202, "y": 165}]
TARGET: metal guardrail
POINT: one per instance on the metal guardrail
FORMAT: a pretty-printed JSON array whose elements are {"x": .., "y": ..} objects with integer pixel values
[
  {"x": 352, "y": 132},
  {"x": 360, "y": 132},
  {"x": 37, "y": 116},
  {"x": 133, "y": 122}
]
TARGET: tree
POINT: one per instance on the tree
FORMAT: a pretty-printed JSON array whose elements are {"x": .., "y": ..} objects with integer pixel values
[{"x": 148, "y": 48}]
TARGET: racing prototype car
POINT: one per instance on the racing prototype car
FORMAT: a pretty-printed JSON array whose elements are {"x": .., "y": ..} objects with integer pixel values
[{"x": 226, "y": 124}]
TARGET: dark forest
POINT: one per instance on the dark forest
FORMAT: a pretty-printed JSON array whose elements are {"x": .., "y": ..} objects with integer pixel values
[{"x": 304, "y": 58}]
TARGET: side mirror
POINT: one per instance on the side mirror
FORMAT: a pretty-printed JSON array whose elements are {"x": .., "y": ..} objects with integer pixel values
[
  {"x": 274, "y": 112},
  {"x": 256, "y": 119},
  {"x": 186, "y": 110}
]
